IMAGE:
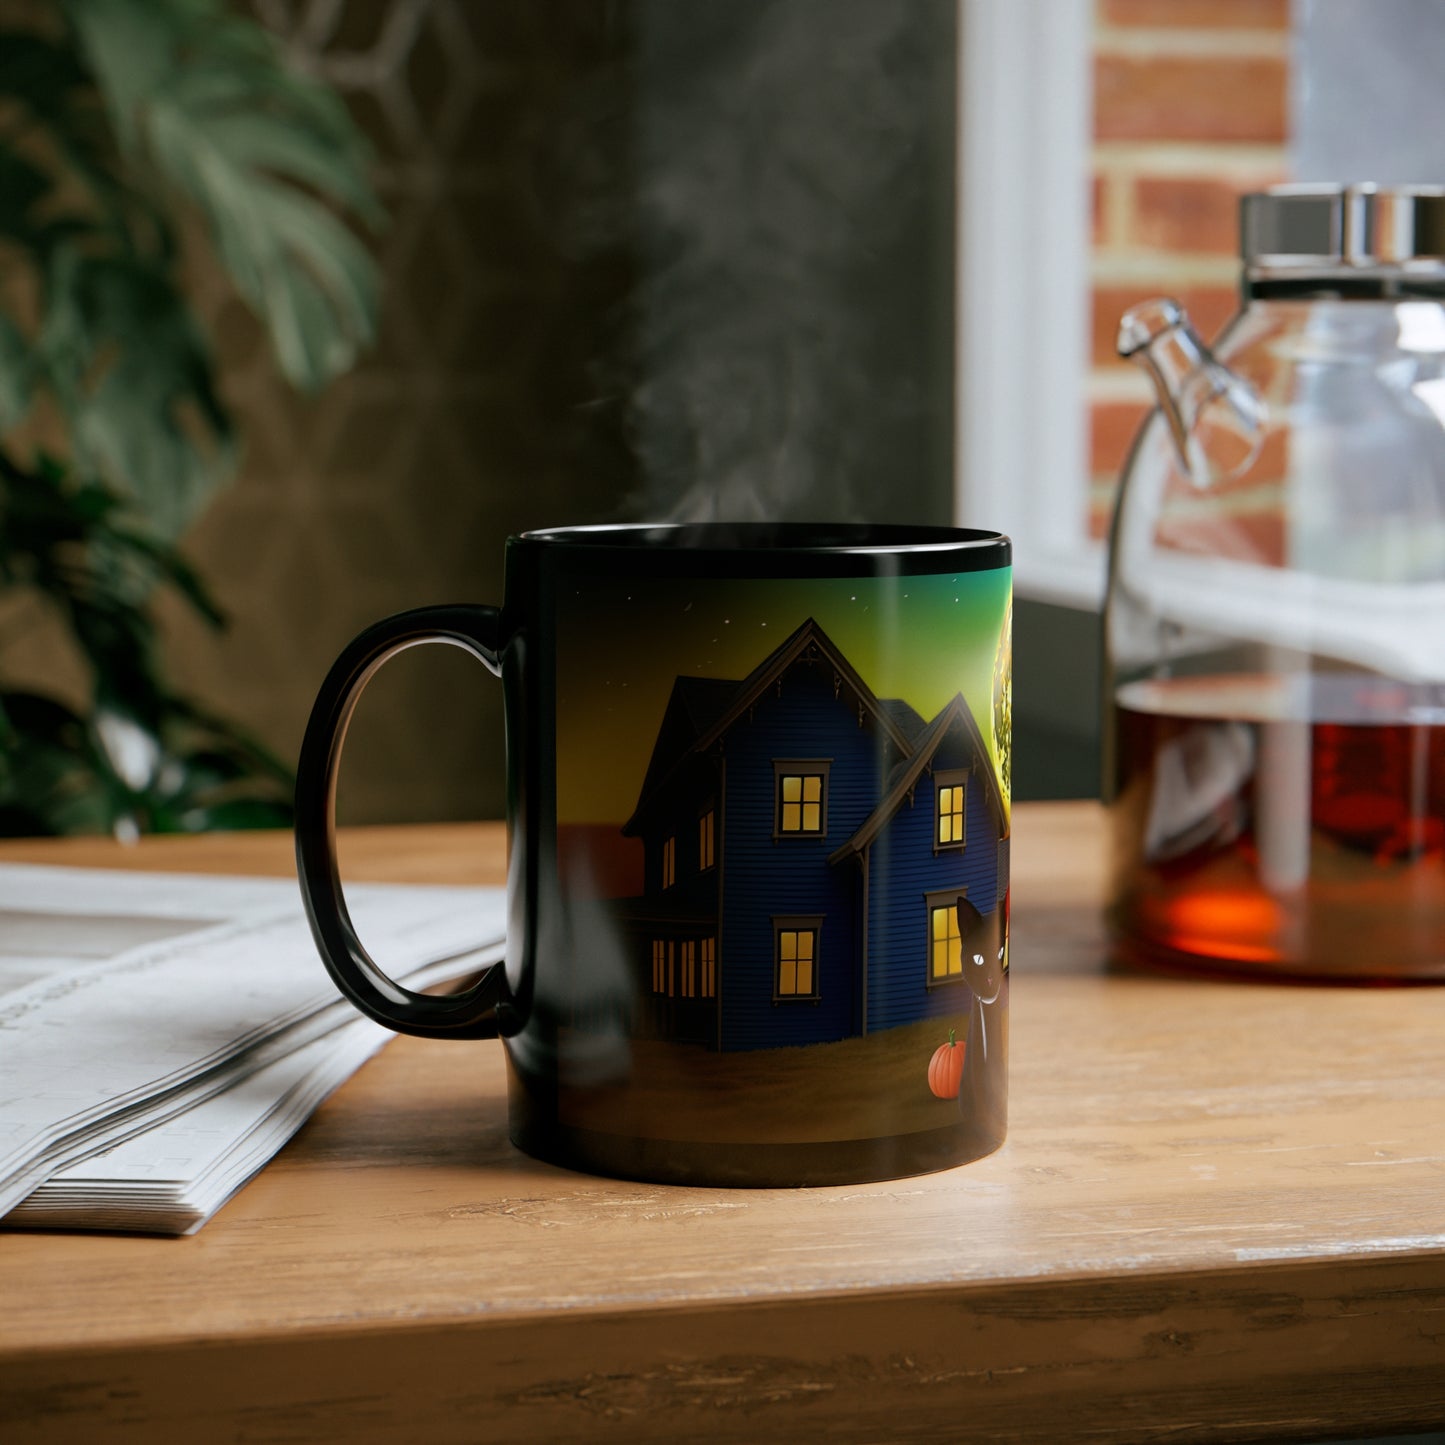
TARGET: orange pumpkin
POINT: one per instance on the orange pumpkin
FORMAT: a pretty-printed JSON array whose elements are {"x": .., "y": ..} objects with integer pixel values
[{"x": 945, "y": 1070}]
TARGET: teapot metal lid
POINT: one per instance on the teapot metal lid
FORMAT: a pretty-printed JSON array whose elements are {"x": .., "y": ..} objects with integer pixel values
[{"x": 1342, "y": 230}]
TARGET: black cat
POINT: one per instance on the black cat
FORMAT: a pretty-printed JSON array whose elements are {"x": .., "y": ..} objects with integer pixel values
[{"x": 983, "y": 1094}]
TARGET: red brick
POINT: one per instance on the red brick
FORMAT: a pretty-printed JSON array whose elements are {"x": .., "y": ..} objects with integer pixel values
[
  {"x": 1198, "y": 14},
  {"x": 1186, "y": 213},
  {"x": 1244, "y": 536},
  {"x": 1190, "y": 98},
  {"x": 1209, "y": 307},
  {"x": 1112, "y": 426}
]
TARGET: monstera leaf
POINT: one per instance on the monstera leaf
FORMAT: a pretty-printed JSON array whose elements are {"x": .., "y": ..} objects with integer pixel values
[
  {"x": 148, "y": 415},
  {"x": 203, "y": 99},
  {"x": 118, "y": 118},
  {"x": 151, "y": 108}
]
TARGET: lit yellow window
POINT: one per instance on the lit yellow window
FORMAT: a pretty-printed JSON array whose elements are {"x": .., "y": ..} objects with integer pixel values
[
  {"x": 706, "y": 840},
  {"x": 945, "y": 943},
  {"x": 950, "y": 813},
  {"x": 659, "y": 966},
  {"x": 800, "y": 802},
  {"x": 689, "y": 969},
  {"x": 796, "y": 947},
  {"x": 669, "y": 863},
  {"x": 709, "y": 968}
]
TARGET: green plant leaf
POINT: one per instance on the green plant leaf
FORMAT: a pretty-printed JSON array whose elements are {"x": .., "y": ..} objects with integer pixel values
[
  {"x": 46, "y": 81},
  {"x": 135, "y": 104},
  {"x": 17, "y": 375},
  {"x": 171, "y": 567},
  {"x": 51, "y": 782},
  {"x": 22, "y": 185},
  {"x": 129, "y": 48},
  {"x": 73, "y": 545},
  {"x": 264, "y": 152},
  {"x": 133, "y": 375},
  {"x": 40, "y": 74}
]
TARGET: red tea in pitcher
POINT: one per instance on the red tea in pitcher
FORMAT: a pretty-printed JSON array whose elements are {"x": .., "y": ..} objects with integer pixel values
[{"x": 1281, "y": 825}]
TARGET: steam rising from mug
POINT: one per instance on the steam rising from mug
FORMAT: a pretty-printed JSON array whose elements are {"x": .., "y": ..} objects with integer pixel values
[{"x": 778, "y": 366}]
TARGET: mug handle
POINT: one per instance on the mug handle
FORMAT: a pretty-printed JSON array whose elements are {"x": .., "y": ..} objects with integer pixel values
[{"x": 471, "y": 1014}]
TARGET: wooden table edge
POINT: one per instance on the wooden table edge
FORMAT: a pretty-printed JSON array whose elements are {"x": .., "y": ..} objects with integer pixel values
[{"x": 1116, "y": 1358}]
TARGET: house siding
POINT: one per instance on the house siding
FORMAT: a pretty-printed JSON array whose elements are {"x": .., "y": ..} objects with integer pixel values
[
  {"x": 903, "y": 870},
  {"x": 764, "y": 880},
  {"x": 686, "y": 910},
  {"x": 770, "y": 877}
]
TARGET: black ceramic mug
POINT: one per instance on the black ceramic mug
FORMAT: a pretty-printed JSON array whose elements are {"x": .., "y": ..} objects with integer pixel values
[{"x": 758, "y": 848}]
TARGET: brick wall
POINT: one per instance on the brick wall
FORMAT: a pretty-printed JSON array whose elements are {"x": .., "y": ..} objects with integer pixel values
[{"x": 1190, "y": 111}]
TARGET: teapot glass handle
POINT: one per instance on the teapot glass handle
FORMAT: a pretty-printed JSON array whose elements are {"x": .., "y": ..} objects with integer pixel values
[{"x": 1217, "y": 419}]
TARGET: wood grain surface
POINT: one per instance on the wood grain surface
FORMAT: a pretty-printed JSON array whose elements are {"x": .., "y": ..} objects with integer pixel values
[{"x": 1220, "y": 1214}]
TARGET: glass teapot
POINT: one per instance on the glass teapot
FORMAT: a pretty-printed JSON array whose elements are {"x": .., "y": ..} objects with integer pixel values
[{"x": 1275, "y": 623}]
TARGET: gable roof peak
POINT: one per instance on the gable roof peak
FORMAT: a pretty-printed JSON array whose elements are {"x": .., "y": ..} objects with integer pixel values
[
  {"x": 688, "y": 728},
  {"x": 794, "y": 648},
  {"x": 955, "y": 713}
]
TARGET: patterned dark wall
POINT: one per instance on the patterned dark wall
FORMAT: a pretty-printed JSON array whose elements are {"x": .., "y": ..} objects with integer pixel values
[
  {"x": 660, "y": 257},
  {"x": 476, "y": 416}
]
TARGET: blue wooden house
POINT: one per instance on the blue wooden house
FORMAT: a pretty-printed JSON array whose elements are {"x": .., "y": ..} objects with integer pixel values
[{"x": 817, "y": 860}]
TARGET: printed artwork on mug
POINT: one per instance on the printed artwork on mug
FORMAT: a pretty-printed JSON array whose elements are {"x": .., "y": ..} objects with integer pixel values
[{"x": 788, "y": 816}]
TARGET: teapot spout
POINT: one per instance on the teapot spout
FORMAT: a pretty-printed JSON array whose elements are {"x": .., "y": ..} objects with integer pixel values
[{"x": 1216, "y": 418}]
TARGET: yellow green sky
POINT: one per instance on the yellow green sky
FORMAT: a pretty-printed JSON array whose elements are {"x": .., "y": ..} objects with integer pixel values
[{"x": 621, "y": 645}]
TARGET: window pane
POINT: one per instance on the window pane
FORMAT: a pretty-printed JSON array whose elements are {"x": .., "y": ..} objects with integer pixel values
[
  {"x": 945, "y": 949},
  {"x": 812, "y": 823},
  {"x": 792, "y": 788},
  {"x": 805, "y": 944},
  {"x": 788, "y": 945},
  {"x": 950, "y": 813},
  {"x": 788, "y": 977},
  {"x": 792, "y": 818},
  {"x": 812, "y": 789},
  {"x": 805, "y": 976}
]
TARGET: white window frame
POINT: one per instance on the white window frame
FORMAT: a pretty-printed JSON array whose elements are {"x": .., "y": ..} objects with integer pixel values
[{"x": 1025, "y": 123}]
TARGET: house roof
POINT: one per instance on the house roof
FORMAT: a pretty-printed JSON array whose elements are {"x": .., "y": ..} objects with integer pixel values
[
  {"x": 908, "y": 718},
  {"x": 700, "y": 710},
  {"x": 694, "y": 705},
  {"x": 955, "y": 715}
]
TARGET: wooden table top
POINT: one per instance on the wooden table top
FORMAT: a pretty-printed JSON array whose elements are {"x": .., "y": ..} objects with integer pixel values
[{"x": 1220, "y": 1214}]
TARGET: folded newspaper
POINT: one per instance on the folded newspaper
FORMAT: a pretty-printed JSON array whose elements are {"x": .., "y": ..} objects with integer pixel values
[{"x": 162, "y": 1035}]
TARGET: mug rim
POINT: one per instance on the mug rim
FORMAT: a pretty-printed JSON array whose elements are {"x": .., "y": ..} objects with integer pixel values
[{"x": 771, "y": 538}]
